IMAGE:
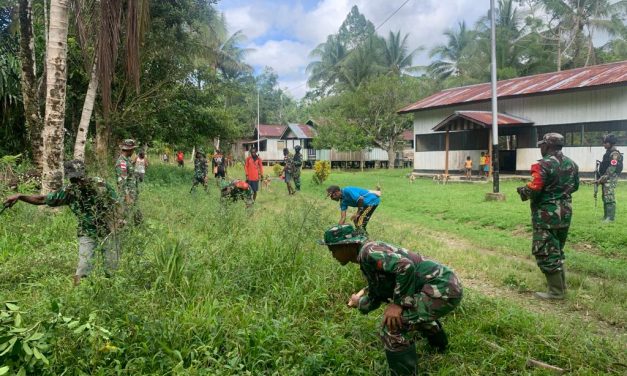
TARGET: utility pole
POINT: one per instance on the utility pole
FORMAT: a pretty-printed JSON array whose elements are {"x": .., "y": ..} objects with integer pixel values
[{"x": 258, "y": 148}]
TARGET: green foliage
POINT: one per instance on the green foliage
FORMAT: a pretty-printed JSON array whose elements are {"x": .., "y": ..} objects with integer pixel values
[
  {"x": 277, "y": 169},
  {"x": 322, "y": 170}
]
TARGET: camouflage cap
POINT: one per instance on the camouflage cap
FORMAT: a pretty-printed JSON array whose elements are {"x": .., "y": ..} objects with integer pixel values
[
  {"x": 74, "y": 169},
  {"x": 342, "y": 234},
  {"x": 609, "y": 139},
  {"x": 554, "y": 139},
  {"x": 128, "y": 144}
]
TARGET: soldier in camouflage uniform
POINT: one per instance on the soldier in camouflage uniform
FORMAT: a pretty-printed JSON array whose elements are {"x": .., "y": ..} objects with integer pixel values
[
  {"x": 298, "y": 164},
  {"x": 127, "y": 181},
  {"x": 609, "y": 171},
  {"x": 418, "y": 292},
  {"x": 554, "y": 179},
  {"x": 200, "y": 171},
  {"x": 95, "y": 204},
  {"x": 288, "y": 170}
]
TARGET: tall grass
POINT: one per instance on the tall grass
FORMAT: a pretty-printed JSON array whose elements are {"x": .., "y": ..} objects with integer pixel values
[{"x": 214, "y": 288}]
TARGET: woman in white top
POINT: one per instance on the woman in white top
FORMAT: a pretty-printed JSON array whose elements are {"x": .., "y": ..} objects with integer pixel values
[{"x": 140, "y": 166}]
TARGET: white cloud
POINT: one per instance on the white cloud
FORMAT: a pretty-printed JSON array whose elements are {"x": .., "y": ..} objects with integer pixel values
[{"x": 283, "y": 32}]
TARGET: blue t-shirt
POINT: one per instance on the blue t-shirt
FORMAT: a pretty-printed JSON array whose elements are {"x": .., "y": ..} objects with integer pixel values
[{"x": 350, "y": 196}]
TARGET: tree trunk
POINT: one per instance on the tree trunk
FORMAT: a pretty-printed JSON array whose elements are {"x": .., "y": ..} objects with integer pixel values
[
  {"x": 52, "y": 176},
  {"x": 88, "y": 107},
  {"x": 391, "y": 156},
  {"x": 32, "y": 114},
  {"x": 102, "y": 139}
]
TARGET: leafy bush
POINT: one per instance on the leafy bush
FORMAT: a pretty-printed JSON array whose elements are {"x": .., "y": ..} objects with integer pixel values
[
  {"x": 322, "y": 170},
  {"x": 277, "y": 169}
]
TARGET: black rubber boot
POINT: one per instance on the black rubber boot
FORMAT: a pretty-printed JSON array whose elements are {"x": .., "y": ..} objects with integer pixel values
[
  {"x": 611, "y": 212},
  {"x": 402, "y": 363},
  {"x": 557, "y": 289},
  {"x": 438, "y": 340}
]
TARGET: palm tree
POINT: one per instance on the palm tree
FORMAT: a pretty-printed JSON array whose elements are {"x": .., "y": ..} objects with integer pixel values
[
  {"x": 395, "y": 53},
  {"x": 450, "y": 56},
  {"x": 327, "y": 71},
  {"x": 56, "y": 65}
]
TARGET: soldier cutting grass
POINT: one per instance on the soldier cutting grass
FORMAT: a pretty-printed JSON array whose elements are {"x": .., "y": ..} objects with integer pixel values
[
  {"x": 95, "y": 204},
  {"x": 554, "y": 179},
  {"x": 418, "y": 292}
]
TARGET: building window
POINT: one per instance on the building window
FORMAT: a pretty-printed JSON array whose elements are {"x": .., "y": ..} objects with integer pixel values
[{"x": 588, "y": 134}]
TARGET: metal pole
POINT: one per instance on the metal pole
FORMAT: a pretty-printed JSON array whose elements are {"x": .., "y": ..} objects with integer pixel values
[
  {"x": 258, "y": 148},
  {"x": 495, "y": 128}
]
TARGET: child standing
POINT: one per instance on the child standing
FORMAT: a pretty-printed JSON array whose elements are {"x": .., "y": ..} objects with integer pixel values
[
  {"x": 141, "y": 162},
  {"x": 481, "y": 163},
  {"x": 468, "y": 167},
  {"x": 486, "y": 167}
]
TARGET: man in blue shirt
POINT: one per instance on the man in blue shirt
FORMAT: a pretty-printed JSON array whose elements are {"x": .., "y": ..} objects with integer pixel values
[{"x": 364, "y": 200}]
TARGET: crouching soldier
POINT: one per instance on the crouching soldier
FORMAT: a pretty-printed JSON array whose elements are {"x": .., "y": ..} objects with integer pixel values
[
  {"x": 237, "y": 190},
  {"x": 418, "y": 291},
  {"x": 95, "y": 204}
]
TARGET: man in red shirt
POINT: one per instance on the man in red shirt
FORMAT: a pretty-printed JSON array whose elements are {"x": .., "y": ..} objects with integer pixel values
[
  {"x": 180, "y": 158},
  {"x": 254, "y": 171}
]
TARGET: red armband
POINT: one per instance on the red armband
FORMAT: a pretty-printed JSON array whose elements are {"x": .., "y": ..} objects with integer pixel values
[{"x": 536, "y": 183}]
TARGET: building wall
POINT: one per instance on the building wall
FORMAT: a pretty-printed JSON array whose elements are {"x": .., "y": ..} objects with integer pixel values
[
  {"x": 596, "y": 105},
  {"x": 575, "y": 107},
  {"x": 375, "y": 154}
]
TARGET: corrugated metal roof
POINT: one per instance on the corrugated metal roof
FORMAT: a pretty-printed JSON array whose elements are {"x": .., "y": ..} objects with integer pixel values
[
  {"x": 301, "y": 131},
  {"x": 597, "y": 75},
  {"x": 464, "y": 120},
  {"x": 271, "y": 130}
]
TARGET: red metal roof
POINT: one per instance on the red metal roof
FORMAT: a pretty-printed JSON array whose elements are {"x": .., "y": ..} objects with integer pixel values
[
  {"x": 597, "y": 75},
  {"x": 301, "y": 131},
  {"x": 462, "y": 120},
  {"x": 271, "y": 130}
]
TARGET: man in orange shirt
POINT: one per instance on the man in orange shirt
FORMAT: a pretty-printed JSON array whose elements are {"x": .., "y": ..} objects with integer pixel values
[{"x": 254, "y": 171}]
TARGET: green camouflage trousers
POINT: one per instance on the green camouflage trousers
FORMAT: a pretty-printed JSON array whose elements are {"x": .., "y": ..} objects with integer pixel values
[
  {"x": 418, "y": 321},
  {"x": 548, "y": 248},
  {"x": 608, "y": 190}
]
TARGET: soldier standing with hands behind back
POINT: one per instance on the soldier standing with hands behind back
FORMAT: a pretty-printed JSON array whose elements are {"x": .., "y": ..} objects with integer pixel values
[
  {"x": 609, "y": 171},
  {"x": 127, "y": 180},
  {"x": 554, "y": 178}
]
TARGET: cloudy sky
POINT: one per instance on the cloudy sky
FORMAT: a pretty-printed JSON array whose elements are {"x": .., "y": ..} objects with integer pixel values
[{"x": 283, "y": 32}]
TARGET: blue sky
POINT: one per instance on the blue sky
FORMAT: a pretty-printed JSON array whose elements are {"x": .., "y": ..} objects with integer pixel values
[{"x": 283, "y": 32}]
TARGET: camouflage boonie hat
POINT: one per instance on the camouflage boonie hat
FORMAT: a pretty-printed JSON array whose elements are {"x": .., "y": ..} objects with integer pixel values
[
  {"x": 342, "y": 234},
  {"x": 554, "y": 139},
  {"x": 610, "y": 139},
  {"x": 297, "y": 147},
  {"x": 74, "y": 169},
  {"x": 128, "y": 144}
]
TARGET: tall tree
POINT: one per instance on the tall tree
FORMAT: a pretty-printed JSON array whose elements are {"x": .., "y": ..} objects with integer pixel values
[
  {"x": 326, "y": 72},
  {"x": 30, "y": 97},
  {"x": 397, "y": 56},
  {"x": 56, "y": 65},
  {"x": 355, "y": 29},
  {"x": 452, "y": 55}
]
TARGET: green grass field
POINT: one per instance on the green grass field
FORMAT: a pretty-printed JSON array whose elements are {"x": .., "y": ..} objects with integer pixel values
[{"x": 207, "y": 289}]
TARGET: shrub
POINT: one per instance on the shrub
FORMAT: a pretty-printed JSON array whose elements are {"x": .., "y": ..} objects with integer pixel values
[
  {"x": 322, "y": 170},
  {"x": 277, "y": 169}
]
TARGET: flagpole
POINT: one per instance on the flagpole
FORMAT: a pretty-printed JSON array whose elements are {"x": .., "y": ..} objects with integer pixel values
[
  {"x": 495, "y": 128},
  {"x": 258, "y": 148}
]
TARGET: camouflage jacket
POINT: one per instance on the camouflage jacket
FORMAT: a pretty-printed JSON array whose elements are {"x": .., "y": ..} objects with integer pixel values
[
  {"x": 95, "y": 205},
  {"x": 125, "y": 176},
  {"x": 288, "y": 164},
  {"x": 612, "y": 164},
  {"x": 397, "y": 275},
  {"x": 554, "y": 179},
  {"x": 200, "y": 167}
]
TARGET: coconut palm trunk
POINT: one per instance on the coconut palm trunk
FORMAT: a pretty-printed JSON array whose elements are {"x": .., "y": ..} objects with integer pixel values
[
  {"x": 34, "y": 121},
  {"x": 56, "y": 64},
  {"x": 88, "y": 107}
]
